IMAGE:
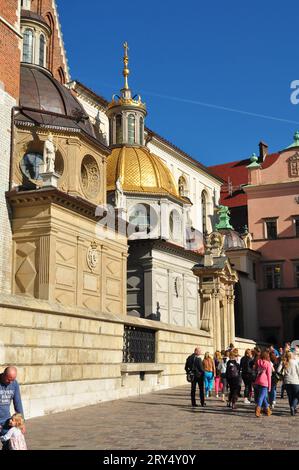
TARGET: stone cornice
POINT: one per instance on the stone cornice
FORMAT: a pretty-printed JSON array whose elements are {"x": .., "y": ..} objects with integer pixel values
[
  {"x": 52, "y": 196},
  {"x": 167, "y": 247},
  {"x": 258, "y": 188}
]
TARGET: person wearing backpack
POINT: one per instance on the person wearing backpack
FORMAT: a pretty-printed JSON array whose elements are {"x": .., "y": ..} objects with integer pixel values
[
  {"x": 195, "y": 366},
  {"x": 289, "y": 368},
  {"x": 233, "y": 379},
  {"x": 263, "y": 383}
]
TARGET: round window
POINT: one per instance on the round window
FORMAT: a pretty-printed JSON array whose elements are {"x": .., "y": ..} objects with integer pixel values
[{"x": 32, "y": 165}]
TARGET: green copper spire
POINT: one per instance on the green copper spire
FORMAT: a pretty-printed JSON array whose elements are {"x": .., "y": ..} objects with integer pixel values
[
  {"x": 224, "y": 218},
  {"x": 296, "y": 140},
  {"x": 254, "y": 162}
]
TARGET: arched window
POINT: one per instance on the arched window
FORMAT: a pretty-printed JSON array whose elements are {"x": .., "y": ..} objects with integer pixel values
[
  {"x": 42, "y": 50},
  {"x": 119, "y": 129},
  {"x": 204, "y": 212},
  {"x": 28, "y": 46},
  {"x": 61, "y": 75},
  {"x": 182, "y": 186},
  {"x": 131, "y": 129},
  {"x": 141, "y": 131}
]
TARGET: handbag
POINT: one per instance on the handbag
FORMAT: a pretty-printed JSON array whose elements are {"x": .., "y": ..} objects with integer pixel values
[{"x": 190, "y": 376}]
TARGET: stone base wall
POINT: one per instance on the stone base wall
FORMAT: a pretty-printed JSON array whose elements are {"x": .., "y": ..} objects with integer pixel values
[
  {"x": 70, "y": 357},
  {"x": 242, "y": 344}
]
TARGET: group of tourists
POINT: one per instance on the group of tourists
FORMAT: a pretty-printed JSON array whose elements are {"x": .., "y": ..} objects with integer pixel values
[{"x": 261, "y": 372}]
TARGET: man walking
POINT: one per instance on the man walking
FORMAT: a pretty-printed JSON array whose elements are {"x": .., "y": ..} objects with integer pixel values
[
  {"x": 194, "y": 365},
  {"x": 9, "y": 392}
]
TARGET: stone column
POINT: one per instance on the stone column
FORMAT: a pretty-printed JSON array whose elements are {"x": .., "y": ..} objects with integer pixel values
[
  {"x": 81, "y": 251},
  {"x": 231, "y": 313},
  {"x": 217, "y": 322},
  {"x": 74, "y": 166}
]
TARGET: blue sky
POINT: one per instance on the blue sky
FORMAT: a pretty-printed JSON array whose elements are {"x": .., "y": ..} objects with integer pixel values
[{"x": 191, "y": 59}]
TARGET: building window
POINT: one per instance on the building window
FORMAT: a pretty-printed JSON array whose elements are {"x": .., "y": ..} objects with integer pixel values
[
  {"x": 183, "y": 187},
  {"x": 273, "y": 276},
  {"x": 119, "y": 129},
  {"x": 296, "y": 267},
  {"x": 271, "y": 229},
  {"x": 296, "y": 225},
  {"x": 131, "y": 129},
  {"x": 32, "y": 165},
  {"x": 139, "y": 345},
  {"x": 141, "y": 131},
  {"x": 26, "y": 4},
  {"x": 28, "y": 46},
  {"x": 140, "y": 217},
  {"x": 42, "y": 50}
]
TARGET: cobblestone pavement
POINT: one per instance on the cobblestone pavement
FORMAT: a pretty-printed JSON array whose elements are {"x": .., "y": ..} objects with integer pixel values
[{"x": 165, "y": 421}]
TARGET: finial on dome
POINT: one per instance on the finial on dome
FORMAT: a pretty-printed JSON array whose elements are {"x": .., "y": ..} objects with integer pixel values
[{"x": 126, "y": 71}]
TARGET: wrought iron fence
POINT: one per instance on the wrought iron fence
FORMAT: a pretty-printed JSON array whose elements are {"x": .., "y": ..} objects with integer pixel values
[{"x": 139, "y": 345}]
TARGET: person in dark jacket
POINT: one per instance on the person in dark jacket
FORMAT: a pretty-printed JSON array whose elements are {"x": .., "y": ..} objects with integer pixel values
[
  {"x": 246, "y": 365},
  {"x": 194, "y": 365},
  {"x": 233, "y": 379}
]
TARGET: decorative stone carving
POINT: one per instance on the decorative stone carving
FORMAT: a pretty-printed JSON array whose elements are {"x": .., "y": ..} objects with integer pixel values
[
  {"x": 92, "y": 256},
  {"x": 215, "y": 243},
  {"x": 294, "y": 166},
  {"x": 178, "y": 286},
  {"x": 90, "y": 176}
]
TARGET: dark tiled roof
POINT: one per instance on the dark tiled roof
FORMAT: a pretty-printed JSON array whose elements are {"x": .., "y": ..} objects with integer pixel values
[{"x": 43, "y": 95}]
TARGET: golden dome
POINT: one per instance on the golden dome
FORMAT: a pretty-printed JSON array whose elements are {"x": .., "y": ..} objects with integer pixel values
[{"x": 140, "y": 171}]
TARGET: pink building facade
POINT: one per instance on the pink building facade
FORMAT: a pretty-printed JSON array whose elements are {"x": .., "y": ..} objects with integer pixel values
[{"x": 273, "y": 218}]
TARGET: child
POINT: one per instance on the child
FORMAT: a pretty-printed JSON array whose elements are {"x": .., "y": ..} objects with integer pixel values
[{"x": 14, "y": 435}]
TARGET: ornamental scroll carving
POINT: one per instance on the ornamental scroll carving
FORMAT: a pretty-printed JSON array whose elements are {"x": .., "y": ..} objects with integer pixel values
[
  {"x": 90, "y": 176},
  {"x": 294, "y": 166}
]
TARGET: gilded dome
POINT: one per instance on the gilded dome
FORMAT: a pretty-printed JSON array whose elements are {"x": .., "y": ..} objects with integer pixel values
[{"x": 140, "y": 171}]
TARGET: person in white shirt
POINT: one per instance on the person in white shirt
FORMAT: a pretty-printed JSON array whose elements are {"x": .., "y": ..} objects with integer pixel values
[{"x": 15, "y": 436}]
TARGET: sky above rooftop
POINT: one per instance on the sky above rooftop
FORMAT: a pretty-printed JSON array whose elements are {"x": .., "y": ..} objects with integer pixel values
[{"x": 215, "y": 75}]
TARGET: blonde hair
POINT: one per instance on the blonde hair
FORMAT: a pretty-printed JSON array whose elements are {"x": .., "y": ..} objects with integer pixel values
[
  {"x": 232, "y": 355},
  {"x": 18, "y": 420},
  {"x": 207, "y": 355},
  {"x": 286, "y": 359},
  {"x": 218, "y": 355}
]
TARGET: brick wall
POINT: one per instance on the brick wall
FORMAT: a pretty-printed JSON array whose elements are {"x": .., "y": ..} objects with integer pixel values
[
  {"x": 10, "y": 47},
  {"x": 56, "y": 58},
  {"x": 10, "y": 55}
]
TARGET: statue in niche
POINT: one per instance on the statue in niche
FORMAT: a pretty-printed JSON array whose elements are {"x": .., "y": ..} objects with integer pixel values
[
  {"x": 119, "y": 194},
  {"x": 49, "y": 155}
]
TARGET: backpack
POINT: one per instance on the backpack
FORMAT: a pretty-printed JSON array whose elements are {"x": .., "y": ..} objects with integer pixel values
[{"x": 232, "y": 370}]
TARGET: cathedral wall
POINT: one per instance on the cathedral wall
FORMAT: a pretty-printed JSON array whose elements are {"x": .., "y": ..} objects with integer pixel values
[
  {"x": 71, "y": 357},
  {"x": 9, "y": 93}
]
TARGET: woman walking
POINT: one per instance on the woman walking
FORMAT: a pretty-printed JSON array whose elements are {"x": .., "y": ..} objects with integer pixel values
[
  {"x": 209, "y": 373},
  {"x": 222, "y": 370},
  {"x": 289, "y": 368},
  {"x": 246, "y": 365},
  {"x": 233, "y": 379},
  {"x": 263, "y": 383},
  {"x": 217, "y": 360}
]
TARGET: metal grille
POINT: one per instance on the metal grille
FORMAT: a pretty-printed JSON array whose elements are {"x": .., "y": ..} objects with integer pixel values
[{"x": 139, "y": 345}]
